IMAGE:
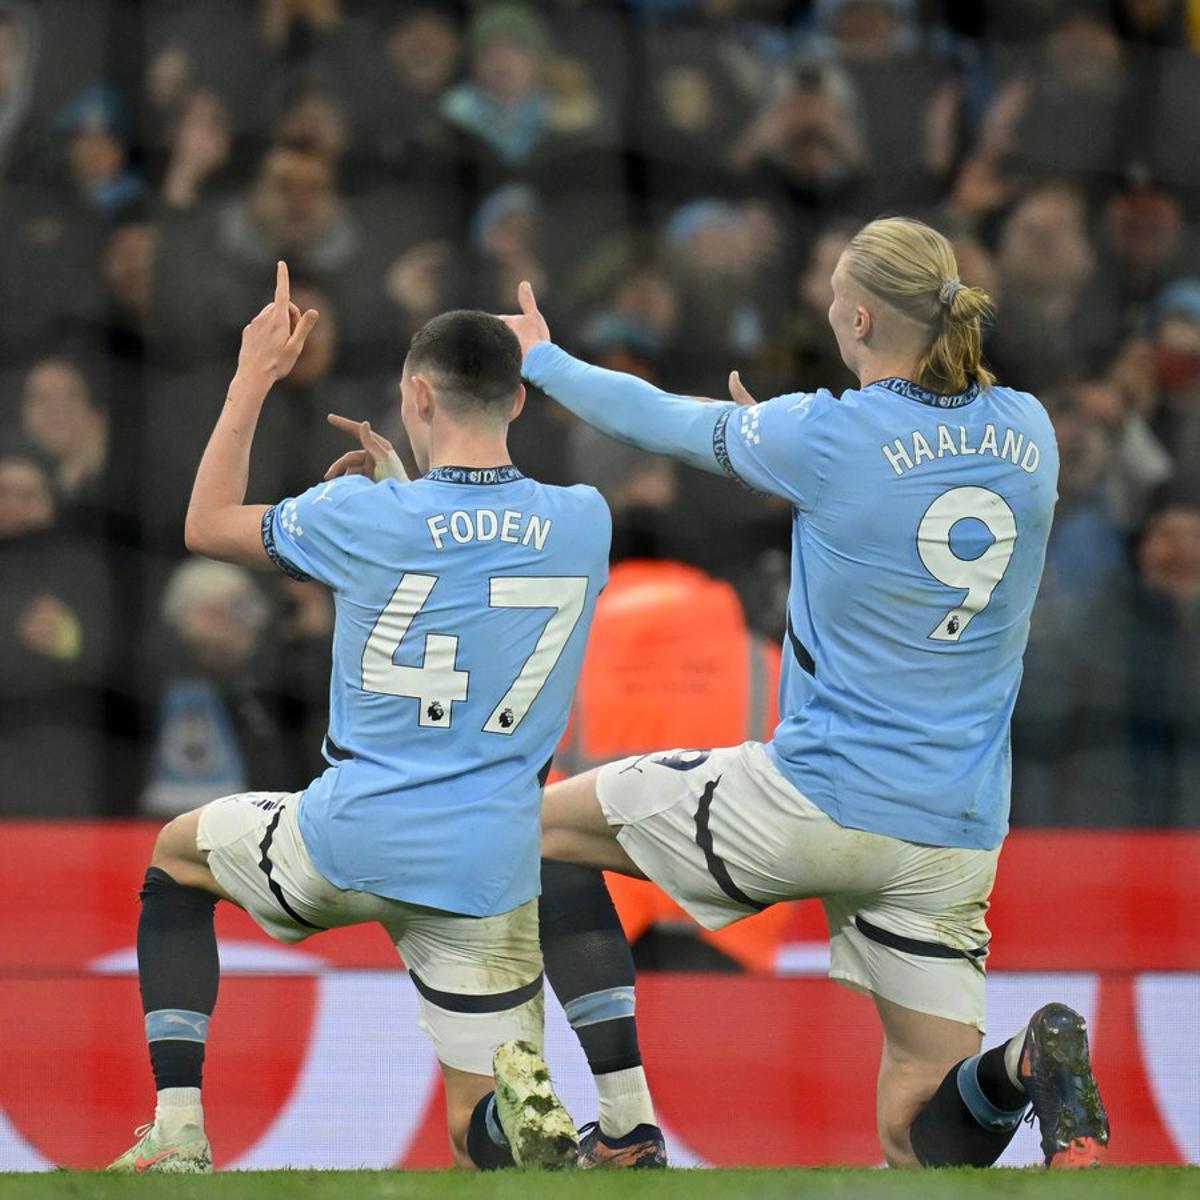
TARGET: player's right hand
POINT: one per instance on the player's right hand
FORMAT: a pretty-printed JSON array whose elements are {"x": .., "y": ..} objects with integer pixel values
[
  {"x": 376, "y": 457},
  {"x": 272, "y": 342},
  {"x": 530, "y": 326}
]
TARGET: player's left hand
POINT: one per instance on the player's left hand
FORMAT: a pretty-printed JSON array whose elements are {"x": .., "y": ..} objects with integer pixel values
[
  {"x": 530, "y": 326},
  {"x": 376, "y": 457},
  {"x": 737, "y": 390},
  {"x": 272, "y": 342}
]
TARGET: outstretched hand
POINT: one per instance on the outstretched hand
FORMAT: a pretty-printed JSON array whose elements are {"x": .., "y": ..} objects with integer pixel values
[
  {"x": 376, "y": 457},
  {"x": 530, "y": 326},
  {"x": 272, "y": 342},
  {"x": 737, "y": 390}
]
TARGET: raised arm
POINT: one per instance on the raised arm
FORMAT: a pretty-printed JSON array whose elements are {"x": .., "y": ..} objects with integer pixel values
[
  {"x": 620, "y": 405},
  {"x": 219, "y": 522}
]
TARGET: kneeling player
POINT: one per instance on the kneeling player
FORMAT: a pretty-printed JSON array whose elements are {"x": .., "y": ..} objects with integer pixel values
[
  {"x": 463, "y": 602},
  {"x": 923, "y": 501}
]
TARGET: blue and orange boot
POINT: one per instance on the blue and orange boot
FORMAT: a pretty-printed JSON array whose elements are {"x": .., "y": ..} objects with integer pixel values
[
  {"x": 642, "y": 1147},
  {"x": 1056, "y": 1072}
]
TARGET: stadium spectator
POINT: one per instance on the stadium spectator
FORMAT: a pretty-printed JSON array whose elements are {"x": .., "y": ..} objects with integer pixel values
[
  {"x": 1086, "y": 545},
  {"x": 60, "y": 416},
  {"x": 721, "y": 261},
  {"x": 128, "y": 274},
  {"x": 53, "y": 628},
  {"x": 808, "y": 147},
  {"x": 213, "y": 263},
  {"x": 804, "y": 350},
  {"x": 1056, "y": 325},
  {"x": 17, "y": 58},
  {"x": 422, "y": 49},
  {"x": 910, "y": 105},
  {"x": 1145, "y": 245},
  {"x": 200, "y": 147},
  {"x": 95, "y": 132},
  {"x": 1173, "y": 375},
  {"x": 214, "y": 731},
  {"x": 700, "y": 89},
  {"x": 512, "y": 115},
  {"x": 1113, "y": 737},
  {"x": 1060, "y": 117}
]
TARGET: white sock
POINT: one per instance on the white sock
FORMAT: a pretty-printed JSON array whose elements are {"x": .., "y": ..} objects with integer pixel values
[
  {"x": 1012, "y": 1057},
  {"x": 624, "y": 1101},
  {"x": 178, "y": 1107}
]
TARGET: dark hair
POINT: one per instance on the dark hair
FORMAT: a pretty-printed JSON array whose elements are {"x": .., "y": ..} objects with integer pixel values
[{"x": 475, "y": 358}]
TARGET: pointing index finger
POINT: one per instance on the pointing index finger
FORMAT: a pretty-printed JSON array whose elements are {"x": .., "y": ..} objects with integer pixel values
[
  {"x": 345, "y": 424},
  {"x": 282, "y": 286},
  {"x": 526, "y": 298}
]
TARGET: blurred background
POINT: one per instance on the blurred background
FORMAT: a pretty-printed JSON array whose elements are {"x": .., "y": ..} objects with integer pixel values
[{"x": 677, "y": 178}]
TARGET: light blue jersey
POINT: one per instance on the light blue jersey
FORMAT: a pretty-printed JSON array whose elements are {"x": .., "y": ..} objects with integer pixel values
[
  {"x": 463, "y": 602},
  {"x": 919, "y": 532}
]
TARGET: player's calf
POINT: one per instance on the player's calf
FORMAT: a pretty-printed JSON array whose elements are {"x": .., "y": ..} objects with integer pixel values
[
  {"x": 590, "y": 967},
  {"x": 178, "y": 971}
]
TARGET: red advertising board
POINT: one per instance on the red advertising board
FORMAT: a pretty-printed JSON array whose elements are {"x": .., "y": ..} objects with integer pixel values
[{"x": 315, "y": 1059}]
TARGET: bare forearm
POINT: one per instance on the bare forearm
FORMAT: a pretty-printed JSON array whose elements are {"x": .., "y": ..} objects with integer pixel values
[{"x": 224, "y": 470}]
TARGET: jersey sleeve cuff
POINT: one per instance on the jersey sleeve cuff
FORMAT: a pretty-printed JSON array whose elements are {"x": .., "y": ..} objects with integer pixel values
[
  {"x": 721, "y": 451},
  {"x": 539, "y": 361},
  {"x": 268, "y": 540}
]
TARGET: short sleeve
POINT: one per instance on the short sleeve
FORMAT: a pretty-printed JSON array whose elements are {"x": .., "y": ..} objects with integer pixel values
[
  {"x": 311, "y": 535},
  {"x": 778, "y": 447}
]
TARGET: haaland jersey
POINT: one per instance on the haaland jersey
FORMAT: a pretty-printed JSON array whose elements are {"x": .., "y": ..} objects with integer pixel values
[
  {"x": 463, "y": 601},
  {"x": 919, "y": 533},
  {"x": 918, "y": 538}
]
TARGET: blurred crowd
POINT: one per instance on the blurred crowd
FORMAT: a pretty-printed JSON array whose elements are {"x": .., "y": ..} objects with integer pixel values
[{"x": 677, "y": 179}]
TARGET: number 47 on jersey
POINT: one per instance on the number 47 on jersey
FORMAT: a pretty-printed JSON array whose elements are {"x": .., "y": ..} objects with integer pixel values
[{"x": 438, "y": 683}]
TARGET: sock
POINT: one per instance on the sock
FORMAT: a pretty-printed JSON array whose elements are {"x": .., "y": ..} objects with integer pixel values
[
  {"x": 624, "y": 1101},
  {"x": 1012, "y": 1057},
  {"x": 994, "y": 1081},
  {"x": 178, "y": 971},
  {"x": 486, "y": 1143},
  {"x": 960, "y": 1126},
  {"x": 590, "y": 968},
  {"x": 177, "y": 1107}
]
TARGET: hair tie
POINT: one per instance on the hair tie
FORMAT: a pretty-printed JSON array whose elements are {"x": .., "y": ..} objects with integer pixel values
[{"x": 949, "y": 289}]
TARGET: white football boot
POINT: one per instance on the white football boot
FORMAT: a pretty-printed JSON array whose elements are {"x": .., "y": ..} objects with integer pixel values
[
  {"x": 187, "y": 1153},
  {"x": 539, "y": 1129}
]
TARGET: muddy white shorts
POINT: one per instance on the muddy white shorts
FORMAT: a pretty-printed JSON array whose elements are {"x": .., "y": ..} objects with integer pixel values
[
  {"x": 479, "y": 978},
  {"x": 726, "y": 835}
]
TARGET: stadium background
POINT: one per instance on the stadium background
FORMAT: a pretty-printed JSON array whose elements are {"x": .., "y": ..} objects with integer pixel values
[{"x": 677, "y": 178}]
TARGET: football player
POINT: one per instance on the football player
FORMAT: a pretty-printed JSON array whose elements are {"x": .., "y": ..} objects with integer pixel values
[
  {"x": 463, "y": 601},
  {"x": 922, "y": 503}
]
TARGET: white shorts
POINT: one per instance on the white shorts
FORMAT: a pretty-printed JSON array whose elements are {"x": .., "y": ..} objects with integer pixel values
[
  {"x": 726, "y": 835},
  {"x": 479, "y": 978}
]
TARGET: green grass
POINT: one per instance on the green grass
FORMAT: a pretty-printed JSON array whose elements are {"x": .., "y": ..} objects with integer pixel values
[{"x": 1144, "y": 1183}]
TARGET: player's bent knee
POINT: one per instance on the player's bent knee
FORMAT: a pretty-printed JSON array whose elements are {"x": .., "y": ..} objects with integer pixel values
[
  {"x": 176, "y": 841},
  {"x": 176, "y": 853}
]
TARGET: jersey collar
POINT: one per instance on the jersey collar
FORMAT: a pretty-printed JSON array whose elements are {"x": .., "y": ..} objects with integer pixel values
[
  {"x": 505, "y": 474},
  {"x": 914, "y": 391}
]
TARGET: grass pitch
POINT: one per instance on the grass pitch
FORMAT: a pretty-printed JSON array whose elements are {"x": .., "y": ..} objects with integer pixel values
[{"x": 1144, "y": 1183}]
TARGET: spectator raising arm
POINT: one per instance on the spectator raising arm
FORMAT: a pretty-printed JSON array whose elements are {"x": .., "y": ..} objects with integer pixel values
[{"x": 219, "y": 522}]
